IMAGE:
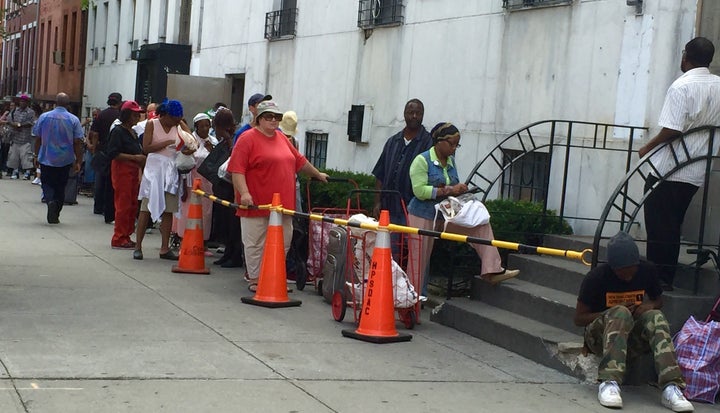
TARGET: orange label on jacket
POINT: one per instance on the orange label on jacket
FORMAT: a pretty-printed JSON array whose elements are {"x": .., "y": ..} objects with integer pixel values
[{"x": 613, "y": 299}]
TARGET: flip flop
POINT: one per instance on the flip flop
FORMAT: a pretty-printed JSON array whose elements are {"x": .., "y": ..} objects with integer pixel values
[{"x": 497, "y": 278}]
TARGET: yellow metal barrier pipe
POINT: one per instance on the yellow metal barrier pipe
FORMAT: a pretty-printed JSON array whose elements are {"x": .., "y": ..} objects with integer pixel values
[{"x": 521, "y": 248}]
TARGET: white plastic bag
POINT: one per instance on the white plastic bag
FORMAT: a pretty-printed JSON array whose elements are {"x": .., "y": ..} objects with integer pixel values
[
  {"x": 223, "y": 173},
  {"x": 403, "y": 290},
  {"x": 465, "y": 211},
  {"x": 184, "y": 163}
]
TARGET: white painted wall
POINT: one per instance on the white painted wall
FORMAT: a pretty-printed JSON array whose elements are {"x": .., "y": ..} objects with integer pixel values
[{"x": 488, "y": 71}]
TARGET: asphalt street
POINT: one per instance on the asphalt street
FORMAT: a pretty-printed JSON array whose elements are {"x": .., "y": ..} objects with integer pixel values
[{"x": 85, "y": 328}]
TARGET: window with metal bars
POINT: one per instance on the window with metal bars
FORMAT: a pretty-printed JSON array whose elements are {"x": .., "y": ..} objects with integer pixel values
[
  {"x": 377, "y": 13},
  {"x": 527, "y": 177},
  {"x": 281, "y": 24},
  {"x": 316, "y": 148},
  {"x": 511, "y": 5}
]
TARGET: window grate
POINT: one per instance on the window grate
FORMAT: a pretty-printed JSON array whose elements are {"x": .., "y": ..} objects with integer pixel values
[
  {"x": 316, "y": 148},
  {"x": 378, "y": 13},
  {"x": 527, "y": 178},
  {"x": 281, "y": 24},
  {"x": 527, "y": 4}
]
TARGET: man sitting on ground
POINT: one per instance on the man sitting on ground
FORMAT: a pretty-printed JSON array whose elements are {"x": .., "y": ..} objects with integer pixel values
[{"x": 619, "y": 306}]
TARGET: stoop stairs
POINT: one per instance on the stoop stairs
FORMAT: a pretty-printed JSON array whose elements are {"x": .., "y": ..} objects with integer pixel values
[{"x": 532, "y": 315}]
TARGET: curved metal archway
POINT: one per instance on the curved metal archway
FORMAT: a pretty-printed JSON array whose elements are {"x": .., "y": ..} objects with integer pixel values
[
  {"x": 626, "y": 205},
  {"x": 544, "y": 137}
]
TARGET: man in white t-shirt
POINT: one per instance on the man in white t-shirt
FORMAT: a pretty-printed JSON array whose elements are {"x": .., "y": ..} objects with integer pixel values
[{"x": 693, "y": 100}]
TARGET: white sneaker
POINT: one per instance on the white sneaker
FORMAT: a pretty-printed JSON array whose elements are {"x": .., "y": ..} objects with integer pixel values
[
  {"x": 36, "y": 181},
  {"x": 609, "y": 394},
  {"x": 673, "y": 399}
]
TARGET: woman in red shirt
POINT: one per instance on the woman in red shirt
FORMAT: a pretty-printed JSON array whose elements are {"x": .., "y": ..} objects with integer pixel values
[{"x": 264, "y": 162}]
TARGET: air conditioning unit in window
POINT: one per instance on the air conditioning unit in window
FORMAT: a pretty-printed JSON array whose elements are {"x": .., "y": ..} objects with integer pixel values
[
  {"x": 59, "y": 57},
  {"x": 360, "y": 120}
]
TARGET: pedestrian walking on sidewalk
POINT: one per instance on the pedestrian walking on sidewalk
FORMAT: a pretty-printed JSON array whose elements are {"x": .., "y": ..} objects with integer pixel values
[{"x": 59, "y": 147}]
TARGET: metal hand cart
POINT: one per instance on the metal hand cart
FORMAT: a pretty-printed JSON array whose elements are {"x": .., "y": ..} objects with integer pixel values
[
  {"x": 318, "y": 235},
  {"x": 356, "y": 274}
]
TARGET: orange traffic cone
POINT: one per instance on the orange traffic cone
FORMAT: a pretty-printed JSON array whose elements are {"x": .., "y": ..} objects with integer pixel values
[
  {"x": 377, "y": 315},
  {"x": 192, "y": 250},
  {"x": 272, "y": 283}
]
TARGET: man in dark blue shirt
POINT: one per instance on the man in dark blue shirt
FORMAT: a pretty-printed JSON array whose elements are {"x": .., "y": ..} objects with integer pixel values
[{"x": 392, "y": 170}]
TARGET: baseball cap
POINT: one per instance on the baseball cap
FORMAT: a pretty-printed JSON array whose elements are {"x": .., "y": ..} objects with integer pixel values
[
  {"x": 257, "y": 98},
  {"x": 24, "y": 97},
  {"x": 131, "y": 105},
  {"x": 267, "y": 106},
  {"x": 114, "y": 98}
]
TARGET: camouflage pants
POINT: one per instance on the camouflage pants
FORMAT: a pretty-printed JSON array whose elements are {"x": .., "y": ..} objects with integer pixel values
[{"x": 617, "y": 337}]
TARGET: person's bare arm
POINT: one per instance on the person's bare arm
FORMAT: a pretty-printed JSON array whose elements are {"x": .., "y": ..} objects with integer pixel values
[
  {"x": 79, "y": 152},
  {"x": 310, "y": 170},
  {"x": 583, "y": 314},
  {"x": 665, "y": 135},
  {"x": 93, "y": 138},
  {"x": 240, "y": 185}
]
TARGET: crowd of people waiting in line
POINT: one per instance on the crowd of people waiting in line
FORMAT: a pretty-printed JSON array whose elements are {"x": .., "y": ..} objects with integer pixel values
[
  {"x": 131, "y": 152},
  {"x": 137, "y": 181}
]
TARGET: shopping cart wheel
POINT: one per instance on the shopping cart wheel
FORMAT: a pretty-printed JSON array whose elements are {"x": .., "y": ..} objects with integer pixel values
[
  {"x": 339, "y": 306},
  {"x": 409, "y": 318},
  {"x": 300, "y": 277}
]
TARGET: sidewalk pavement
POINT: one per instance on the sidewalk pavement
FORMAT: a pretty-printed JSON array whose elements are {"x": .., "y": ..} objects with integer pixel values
[{"x": 84, "y": 328}]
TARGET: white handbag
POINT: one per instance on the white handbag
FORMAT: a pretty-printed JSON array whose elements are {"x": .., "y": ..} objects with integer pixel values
[{"x": 465, "y": 211}]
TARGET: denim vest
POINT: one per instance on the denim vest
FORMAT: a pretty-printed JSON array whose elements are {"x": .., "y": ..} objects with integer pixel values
[{"x": 436, "y": 178}]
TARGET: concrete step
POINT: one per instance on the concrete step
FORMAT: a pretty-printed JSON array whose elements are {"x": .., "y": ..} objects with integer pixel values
[
  {"x": 708, "y": 277},
  {"x": 547, "y": 305},
  {"x": 572, "y": 242},
  {"x": 542, "y": 343},
  {"x": 539, "y": 342},
  {"x": 565, "y": 276},
  {"x": 552, "y": 272}
]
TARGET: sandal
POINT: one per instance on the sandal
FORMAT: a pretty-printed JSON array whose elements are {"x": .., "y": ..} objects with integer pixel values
[
  {"x": 252, "y": 287},
  {"x": 499, "y": 277}
]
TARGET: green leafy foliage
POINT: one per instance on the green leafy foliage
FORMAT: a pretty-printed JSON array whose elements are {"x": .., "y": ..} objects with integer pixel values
[
  {"x": 514, "y": 221},
  {"x": 524, "y": 222},
  {"x": 335, "y": 194}
]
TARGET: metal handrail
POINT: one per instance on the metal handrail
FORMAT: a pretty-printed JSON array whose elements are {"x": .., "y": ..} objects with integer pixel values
[
  {"x": 627, "y": 217},
  {"x": 529, "y": 142}
]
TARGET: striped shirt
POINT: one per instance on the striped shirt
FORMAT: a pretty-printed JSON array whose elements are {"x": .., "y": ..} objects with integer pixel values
[{"x": 692, "y": 100}]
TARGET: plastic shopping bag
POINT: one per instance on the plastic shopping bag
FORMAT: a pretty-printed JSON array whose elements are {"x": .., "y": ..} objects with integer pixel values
[
  {"x": 465, "y": 211},
  {"x": 697, "y": 346}
]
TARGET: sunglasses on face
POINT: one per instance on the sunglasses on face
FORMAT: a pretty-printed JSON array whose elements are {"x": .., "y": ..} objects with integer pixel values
[
  {"x": 272, "y": 116},
  {"x": 452, "y": 145}
]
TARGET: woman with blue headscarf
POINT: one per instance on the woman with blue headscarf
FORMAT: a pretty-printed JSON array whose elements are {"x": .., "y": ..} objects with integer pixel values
[{"x": 159, "y": 185}]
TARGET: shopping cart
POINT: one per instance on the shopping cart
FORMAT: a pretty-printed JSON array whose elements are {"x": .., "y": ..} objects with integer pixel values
[
  {"x": 318, "y": 233},
  {"x": 405, "y": 268}
]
